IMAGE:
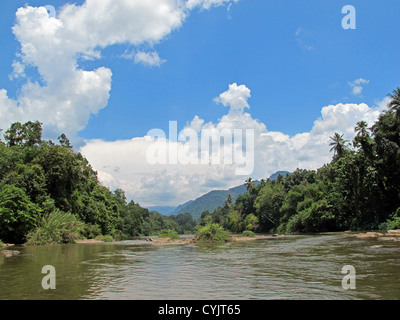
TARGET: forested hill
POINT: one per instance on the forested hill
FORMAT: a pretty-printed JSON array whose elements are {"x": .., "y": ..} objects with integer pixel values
[
  {"x": 50, "y": 194},
  {"x": 358, "y": 190},
  {"x": 211, "y": 201},
  {"x": 216, "y": 198}
]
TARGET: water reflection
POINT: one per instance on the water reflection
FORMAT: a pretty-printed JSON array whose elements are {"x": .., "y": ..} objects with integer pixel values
[{"x": 294, "y": 267}]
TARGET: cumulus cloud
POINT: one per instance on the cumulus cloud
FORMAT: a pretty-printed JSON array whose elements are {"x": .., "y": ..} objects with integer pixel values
[
  {"x": 358, "y": 86},
  {"x": 173, "y": 184},
  {"x": 65, "y": 97},
  {"x": 51, "y": 44},
  {"x": 236, "y": 97}
]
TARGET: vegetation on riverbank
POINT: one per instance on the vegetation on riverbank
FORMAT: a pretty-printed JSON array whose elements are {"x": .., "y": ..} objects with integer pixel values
[
  {"x": 358, "y": 190},
  {"x": 50, "y": 194},
  {"x": 212, "y": 232},
  {"x": 168, "y": 233}
]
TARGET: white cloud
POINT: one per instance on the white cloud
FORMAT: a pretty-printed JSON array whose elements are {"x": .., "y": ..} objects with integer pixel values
[
  {"x": 236, "y": 97},
  {"x": 175, "y": 184},
  {"x": 206, "y": 4},
  {"x": 67, "y": 96},
  {"x": 51, "y": 44},
  {"x": 358, "y": 86},
  {"x": 148, "y": 59},
  {"x": 18, "y": 70}
]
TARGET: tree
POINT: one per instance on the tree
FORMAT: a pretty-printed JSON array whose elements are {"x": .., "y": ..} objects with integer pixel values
[
  {"x": 28, "y": 134},
  {"x": 363, "y": 139},
  {"x": 394, "y": 105},
  {"x": 18, "y": 214},
  {"x": 64, "y": 141},
  {"x": 249, "y": 183},
  {"x": 338, "y": 144},
  {"x": 267, "y": 205},
  {"x": 361, "y": 129}
]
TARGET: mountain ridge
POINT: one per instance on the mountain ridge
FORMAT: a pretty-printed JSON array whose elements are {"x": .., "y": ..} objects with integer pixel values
[{"x": 209, "y": 201}]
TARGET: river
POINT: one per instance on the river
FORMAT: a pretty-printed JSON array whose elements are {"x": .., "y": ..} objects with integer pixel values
[{"x": 293, "y": 267}]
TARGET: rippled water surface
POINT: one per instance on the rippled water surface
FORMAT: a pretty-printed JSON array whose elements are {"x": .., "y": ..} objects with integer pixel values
[{"x": 294, "y": 267}]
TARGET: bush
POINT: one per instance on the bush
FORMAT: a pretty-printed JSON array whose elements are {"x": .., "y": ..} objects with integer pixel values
[
  {"x": 168, "y": 233},
  {"x": 56, "y": 228},
  {"x": 248, "y": 233},
  {"x": 212, "y": 232},
  {"x": 91, "y": 231},
  {"x": 392, "y": 223},
  {"x": 294, "y": 225},
  {"x": 106, "y": 238}
]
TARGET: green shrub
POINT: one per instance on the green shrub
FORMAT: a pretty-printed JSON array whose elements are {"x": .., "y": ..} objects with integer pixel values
[
  {"x": 295, "y": 224},
  {"x": 211, "y": 232},
  {"x": 248, "y": 233},
  {"x": 392, "y": 223},
  {"x": 91, "y": 231},
  {"x": 106, "y": 238},
  {"x": 168, "y": 233},
  {"x": 55, "y": 228}
]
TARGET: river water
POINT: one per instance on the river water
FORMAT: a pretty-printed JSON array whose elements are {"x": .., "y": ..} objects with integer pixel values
[{"x": 294, "y": 267}]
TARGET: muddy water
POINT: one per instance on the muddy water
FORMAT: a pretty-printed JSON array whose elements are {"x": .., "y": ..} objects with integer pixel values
[{"x": 294, "y": 267}]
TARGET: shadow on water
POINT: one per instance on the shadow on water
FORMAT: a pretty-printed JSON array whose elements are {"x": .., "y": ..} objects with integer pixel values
[{"x": 293, "y": 267}]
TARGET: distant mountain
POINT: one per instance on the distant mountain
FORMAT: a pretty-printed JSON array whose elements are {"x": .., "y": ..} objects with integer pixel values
[
  {"x": 168, "y": 210},
  {"x": 276, "y": 174},
  {"x": 210, "y": 201},
  {"x": 179, "y": 208},
  {"x": 164, "y": 210}
]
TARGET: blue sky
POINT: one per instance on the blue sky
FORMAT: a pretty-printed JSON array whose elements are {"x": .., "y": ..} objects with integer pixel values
[
  {"x": 256, "y": 46},
  {"x": 294, "y": 56}
]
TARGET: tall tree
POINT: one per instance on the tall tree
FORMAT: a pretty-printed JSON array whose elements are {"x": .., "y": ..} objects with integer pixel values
[
  {"x": 363, "y": 139},
  {"x": 338, "y": 144},
  {"x": 28, "y": 134},
  {"x": 249, "y": 183},
  {"x": 361, "y": 129},
  {"x": 394, "y": 105}
]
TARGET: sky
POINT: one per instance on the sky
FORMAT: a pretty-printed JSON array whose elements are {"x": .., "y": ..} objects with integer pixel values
[{"x": 106, "y": 72}]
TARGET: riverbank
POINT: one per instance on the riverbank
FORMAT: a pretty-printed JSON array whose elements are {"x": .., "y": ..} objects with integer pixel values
[
  {"x": 6, "y": 252},
  {"x": 89, "y": 241},
  {"x": 192, "y": 240},
  {"x": 390, "y": 235}
]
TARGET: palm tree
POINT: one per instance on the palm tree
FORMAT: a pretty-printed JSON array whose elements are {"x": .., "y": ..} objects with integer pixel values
[
  {"x": 249, "y": 183},
  {"x": 363, "y": 139},
  {"x": 394, "y": 105},
  {"x": 361, "y": 129},
  {"x": 338, "y": 144}
]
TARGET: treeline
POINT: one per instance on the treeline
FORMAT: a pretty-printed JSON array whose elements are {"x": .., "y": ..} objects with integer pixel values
[
  {"x": 50, "y": 193},
  {"x": 358, "y": 190}
]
